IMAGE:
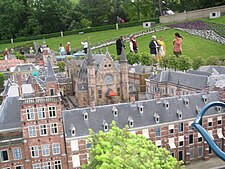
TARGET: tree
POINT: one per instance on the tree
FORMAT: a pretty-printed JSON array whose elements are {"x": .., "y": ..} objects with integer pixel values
[
  {"x": 1, "y": 80},
  {"x": 120, "y": 149},
  {"x": 146, "y": 59},
  {"x": 183, "y": 63},
  {"x": 197, "y": 62},
  {"x": 133, "y": 58},
  {"x": 61, "y": 65},
  {"x": 172, "y": 62}
]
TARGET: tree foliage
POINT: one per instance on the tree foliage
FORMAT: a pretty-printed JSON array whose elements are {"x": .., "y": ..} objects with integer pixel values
[
  {"x": 61, "y": 65},
  {"x": 120, "y": 149},
  {"x": 1, "y": 80},
  {"x": 197, "y": 62},
  {"x": 183, "y": 63}
]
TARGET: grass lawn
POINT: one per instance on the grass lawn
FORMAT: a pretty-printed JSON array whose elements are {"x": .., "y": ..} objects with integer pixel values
[
  {"x": 75, "y": 40},
  {"x": 192, "y": 45},
  {"x": 220, "y": 20}
]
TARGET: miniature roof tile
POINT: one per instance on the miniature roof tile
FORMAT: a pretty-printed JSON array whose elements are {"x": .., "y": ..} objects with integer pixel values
[{"x": 141, "y": 119}]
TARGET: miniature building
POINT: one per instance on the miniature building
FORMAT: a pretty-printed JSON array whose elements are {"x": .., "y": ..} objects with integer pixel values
[{"x": 99, "y": 81}]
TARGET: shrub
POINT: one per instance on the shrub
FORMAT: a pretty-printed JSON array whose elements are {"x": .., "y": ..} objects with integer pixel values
[
  {"x": 133, "y": 58},
  {"x": 183, "y": 63},
  {"x": 197, "y": 62},
  {"x": 146, "y": 59}
]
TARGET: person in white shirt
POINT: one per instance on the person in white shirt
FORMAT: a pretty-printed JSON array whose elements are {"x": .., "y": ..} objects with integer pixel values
[{"x": 85, "y": 46}]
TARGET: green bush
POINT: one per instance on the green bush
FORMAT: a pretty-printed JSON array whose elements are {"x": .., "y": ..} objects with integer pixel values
[
  {"x": 146, "y": 59},
  {"x": 197, "y": 62},
  {"x": 183, "y": 63},
  {"x": 20, "y": 57},
  {"x": 133, "y": 58}
]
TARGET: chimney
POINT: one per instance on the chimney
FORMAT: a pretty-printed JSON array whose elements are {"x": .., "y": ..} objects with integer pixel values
[
  {"x": 92, "y": 104},
  {"x": 19, "y": 82},
  {"x": 157, "y": 97},
  {"x": 132, "y": 98}
]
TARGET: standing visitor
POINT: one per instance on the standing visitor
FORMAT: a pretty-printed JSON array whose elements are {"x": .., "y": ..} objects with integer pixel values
[
  {"x": 85, "y": 46},
  {"x": 62, "y": 49},
  {"x": 154, "y": 47},
  {"x": 119, "y": 45},
  {"x": 133, "y": 44},
  {"x": 6, "y": 54},
  {"x": 162, "y": 49},
  {"x": 31, "y": 51},
  {"x": 68, "y": 48},
  {"x": 22, "y": 51},
  {"x": 177, "y": 44}
]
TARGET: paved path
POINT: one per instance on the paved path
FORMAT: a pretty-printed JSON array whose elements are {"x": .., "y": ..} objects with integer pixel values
[{"x": 212, "y": 163}]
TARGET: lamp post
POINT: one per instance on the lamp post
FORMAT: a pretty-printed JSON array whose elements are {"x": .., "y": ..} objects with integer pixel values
[{"x": 138, "y": 8}]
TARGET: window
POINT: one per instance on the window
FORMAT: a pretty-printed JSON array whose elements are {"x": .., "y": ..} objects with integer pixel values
[
  {"x": 191, "y": 153},
  {"x": 219, "y": 120},
  {"x": 6, "y": 168},
  {"x": 41, "y": 112},
  {"x": 32, "y": 131},
  {"x": 55, "y": 148},
  {"x": 34, "y": 151},
  {"x": 199, "y": 139},
  {"x": 57, "y": 164},
  {"x": 181, "y": 127},
  {"x": 118, "y": 91},
  {"x": 30, "y": 114},
  {"x": 191, "y": 138},
  {"x": 4, "y": 155},
  {"x": 200, "y": 152},
  {"x": 181, "y": 155},
  {"x": 172, "y": 154},
  {"x": 19, "y": 167},
  {"x": 181, "y": 141},
  {"x": 54, "y": 128},
  {"x": 52, "y": 93},
  {"x": 99, "y": 94},
  {"x": 45, "y": 150},
  {"x": 43, "y": 130},
  {"x": 47, "y": 165},
  {"x": 52, "y": 111},
  {"x": 210, "y": 122},
  {"x": 157, "y": 132},
  {"x": 171, "y": 129},
  {"x": 36, "y": 166},
  {"x": 17, "y": 153}
]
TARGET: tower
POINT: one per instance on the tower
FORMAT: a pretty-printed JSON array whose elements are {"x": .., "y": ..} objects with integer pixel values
[
  {"x": 42, "y": 126},
  {"x": 91, "y": 79},
  {"x": 124, "y": 76}
]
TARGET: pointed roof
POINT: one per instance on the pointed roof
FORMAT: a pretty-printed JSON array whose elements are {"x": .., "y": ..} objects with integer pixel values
[
  {"x": 89, "y": 57},
  {"x": 123, "y": 55},
  {"x": 50, "y": 72}
]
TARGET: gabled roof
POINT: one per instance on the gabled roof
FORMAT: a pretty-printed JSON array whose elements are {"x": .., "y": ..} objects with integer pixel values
[
  {"x": 10, "y": 114},
  {"x": 215, "y": 70},
  {"x": 185, "y": 79},
  {"x": 126, "y": 110},
  {"x": 197, "y": 72},
  {"x": 50, "y": 72},
  {"x": 24, "y": 67}
]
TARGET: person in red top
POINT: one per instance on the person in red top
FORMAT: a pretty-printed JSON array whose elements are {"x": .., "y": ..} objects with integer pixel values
[
  {"x": 177, "y": 44},
  {"x": 133, "y": 44},
  {"x": 68, "y": 48},
  {"x": 6, "y": 53}
]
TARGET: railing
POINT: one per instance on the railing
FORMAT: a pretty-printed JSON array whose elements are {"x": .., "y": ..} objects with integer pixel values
[{"x": 40, "y": 100}]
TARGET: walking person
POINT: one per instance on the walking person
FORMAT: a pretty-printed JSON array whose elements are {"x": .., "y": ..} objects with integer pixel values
[
  {"x": 119, "y": 45},
  {"x": 177, "y": 44},
  {"x": 133, "y": 44},
  {"x": 162, "y": 49},
  {"x": 85, "y": 46},
  {"x": 154, "y": 47},
  {"x": 68, "y": 48}
]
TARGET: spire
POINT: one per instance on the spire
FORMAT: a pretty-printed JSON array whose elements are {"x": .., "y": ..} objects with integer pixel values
[
  {"x": 50, "y": 72},
  {"x": 123, "y": 55},
  {"x": 89, "y": 57}
]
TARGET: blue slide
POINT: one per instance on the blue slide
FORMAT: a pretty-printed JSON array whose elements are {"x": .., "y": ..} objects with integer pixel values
[{"x": 204, "y": 133}]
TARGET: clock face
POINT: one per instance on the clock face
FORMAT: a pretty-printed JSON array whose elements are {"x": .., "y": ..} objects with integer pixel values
[{"x": 108, "y": 79}]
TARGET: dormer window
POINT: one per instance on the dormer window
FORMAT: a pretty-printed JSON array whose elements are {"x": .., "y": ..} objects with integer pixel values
[
  {"x": 72, "y": 130},
  {"x": 218, "y": 108},
  {"x": 140, "y": 107},
  {"x": 157, "y": 117},
  {"x": 179, "y": 114},
  {"x": 115, "y": 111},
  {"x": 204, "y": 98},
  {"x": 130, "y": 122},
  {"x": 85, "y": 114},
  {"x": 166, "y": 104},
  {"x": 105, "y": 126},
  {"x": 186, "y": 101}
]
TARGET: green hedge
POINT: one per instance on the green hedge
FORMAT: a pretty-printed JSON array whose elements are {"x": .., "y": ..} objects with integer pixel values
[{"x": 85, "y": 30}]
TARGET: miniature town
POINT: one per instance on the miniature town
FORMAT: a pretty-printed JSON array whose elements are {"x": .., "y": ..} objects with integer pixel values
[{"x": 46, "y": 113}]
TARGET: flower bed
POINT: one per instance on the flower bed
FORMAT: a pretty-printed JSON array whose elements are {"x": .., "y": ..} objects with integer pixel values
[{"x": 191, "y": 25}]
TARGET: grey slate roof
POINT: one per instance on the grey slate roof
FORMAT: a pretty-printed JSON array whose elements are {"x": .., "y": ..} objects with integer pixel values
[
  {"x": 125, "y": 110},
  {"x": 213, "y": 69},
  {"x": 24, "y": 67},
  {"x": 140, "y": 69},
  {"x": 6, "y": 88},
  {"x": 50, "y": 72},
  {"x": 197, "y": 72},
  {"x": 10, "y": 113},
  {"x": 185, "y": 79}
]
